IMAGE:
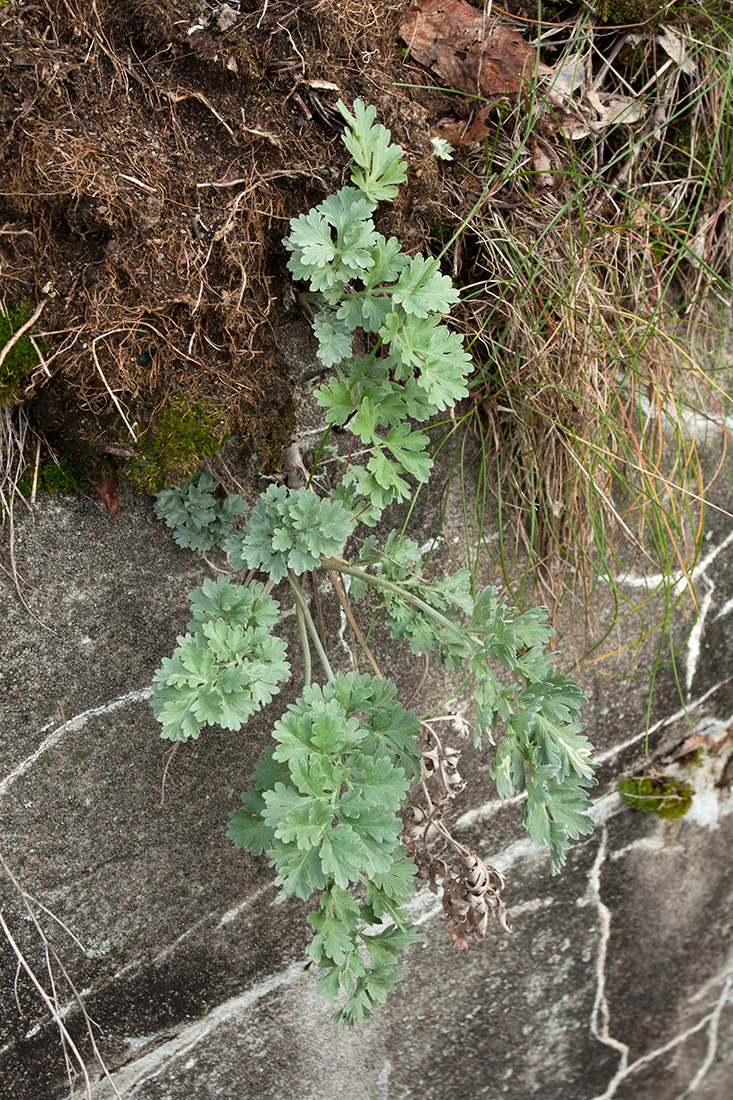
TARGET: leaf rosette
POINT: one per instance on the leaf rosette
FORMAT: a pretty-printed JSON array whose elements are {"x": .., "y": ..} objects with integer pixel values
[{"x": 290, "y": 531}]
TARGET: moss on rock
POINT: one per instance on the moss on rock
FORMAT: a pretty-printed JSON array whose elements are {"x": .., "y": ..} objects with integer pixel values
[
  {"x": 21, "y": 360},
  {"x": 657, "y": 794},
  {"x": 177, "y": 438}
]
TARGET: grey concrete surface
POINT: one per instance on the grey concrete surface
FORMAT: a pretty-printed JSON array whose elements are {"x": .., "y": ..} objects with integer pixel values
[{"x": 616, "y": 983}]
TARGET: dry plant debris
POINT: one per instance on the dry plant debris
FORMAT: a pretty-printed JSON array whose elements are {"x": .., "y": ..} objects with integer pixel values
[
  {"x": 151, "y": 159},
  {"x": 470, "y": 51},
  {"x": 470, "y": 889},
  {"x": 595, "y": 175}
]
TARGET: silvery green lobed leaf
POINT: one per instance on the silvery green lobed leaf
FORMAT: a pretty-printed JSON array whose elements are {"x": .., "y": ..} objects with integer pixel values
[
  {"x": 227, "y": 668},
  {"x": 290, "y": 530},
  {"x": 333, "y": 336},
  {"x": 422, "y": 290},
  {"x": 425, "y": 350},
  {"x": 379, "y": 170},
  {"x": 333, "y": 242},
  {"x": 237, "y": 605},
  {"x": 199, "y": 519}
]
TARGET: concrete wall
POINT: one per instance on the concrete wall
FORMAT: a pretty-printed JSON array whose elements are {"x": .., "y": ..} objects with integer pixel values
[{"x": 616, "y": 983}]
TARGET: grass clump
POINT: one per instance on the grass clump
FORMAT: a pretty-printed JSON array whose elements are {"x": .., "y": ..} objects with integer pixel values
[{"x": 595, "y": 272}]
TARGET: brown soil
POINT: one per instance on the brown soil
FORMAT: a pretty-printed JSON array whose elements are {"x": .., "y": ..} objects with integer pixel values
[{"x": 152, "y": 155}]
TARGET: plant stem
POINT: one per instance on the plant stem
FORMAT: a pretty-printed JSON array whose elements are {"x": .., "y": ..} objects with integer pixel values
[
  {"x": 301, "y": 603},
  {"x": 339, "y": 566},
  {"x": 304, "y": 643},
  {"x": 353, "y": 623}
]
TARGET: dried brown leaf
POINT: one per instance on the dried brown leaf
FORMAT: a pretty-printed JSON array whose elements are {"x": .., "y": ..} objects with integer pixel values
[
  {"x": 469, "y": 52},
  {"x": 694, "y": 742}
]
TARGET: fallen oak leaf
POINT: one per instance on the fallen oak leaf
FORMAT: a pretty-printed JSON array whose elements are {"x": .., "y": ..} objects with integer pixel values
[
  {"x": 486, "y": 58},
  {"x": 470, "y": 53},
  {"x": 491, "y": 59}
]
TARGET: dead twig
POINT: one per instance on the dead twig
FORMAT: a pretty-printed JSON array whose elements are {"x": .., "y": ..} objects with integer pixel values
[{"x": 353, "y": 623}]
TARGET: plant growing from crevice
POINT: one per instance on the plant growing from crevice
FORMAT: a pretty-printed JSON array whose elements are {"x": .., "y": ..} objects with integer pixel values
[{"x": 326, "y": 800}]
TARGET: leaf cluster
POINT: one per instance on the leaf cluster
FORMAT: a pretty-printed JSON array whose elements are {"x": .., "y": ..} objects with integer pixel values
[
  {"x": 400, "y": 564},
  {"x": 199, "y": 520},
  {"x": 364, "y": 283},
  {"x": 227, "y": 666},
  {"x": 290, "y": 531},
  {"x": 544, "y": 751},
  {"x": 324, "y": 807}
]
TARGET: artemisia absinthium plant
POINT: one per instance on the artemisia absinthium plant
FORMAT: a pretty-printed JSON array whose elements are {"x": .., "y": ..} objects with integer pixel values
[{"x": 325, "y": 802}]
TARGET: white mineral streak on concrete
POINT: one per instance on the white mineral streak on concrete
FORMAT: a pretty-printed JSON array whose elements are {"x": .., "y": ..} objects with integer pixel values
[
  {"x": 513, "y": 853},
  {"x": 145, "y": 1067},
  {"x": 383, "y": 1080},
  {"x": 346, "y": 581},
  {"x": 710, "y": 1021},
  {"x": 232, "y": 914},
  {"x": 161, "y": 956},
  {"x": 486, "y": 811},
  {"x": 654, "y": 843},
  {"x": 600, "y": 1020},
  {"x": 600, "y": 1023},
  {"x": 683, "y": 712},
  {"x": 725, "y": 609},
  {"x": 72, "y": 726},
  {"x": 712, "y": 1049},
  {"x": 701, "y": 427},
  {"x": 679, "y": 581},
  {"x": 694, "y": 642}
]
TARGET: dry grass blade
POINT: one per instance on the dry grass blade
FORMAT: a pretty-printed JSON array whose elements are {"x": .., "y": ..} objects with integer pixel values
[
  {"x": 51, "y": 1001},
  {"x": 603, "y": 252}
]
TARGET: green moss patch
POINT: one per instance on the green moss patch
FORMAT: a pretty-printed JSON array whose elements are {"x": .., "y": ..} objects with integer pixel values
[
  {"x": 622, "y": 12},
  {"x": 660, "y": 795},
  {"x": 179, "y": 436},
  {"x": 56, "y": 477},
  {"x": 21, "y": 360}
]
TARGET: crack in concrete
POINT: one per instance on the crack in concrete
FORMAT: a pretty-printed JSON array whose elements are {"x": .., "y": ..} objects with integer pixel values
[
  {"x": 712, "y": 1049},
  {"x": 679, "y": 581},
  {"x": 600, "y": 1020},
  {"x": 711, "y": 1020}
]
